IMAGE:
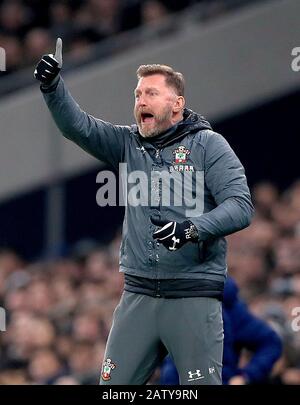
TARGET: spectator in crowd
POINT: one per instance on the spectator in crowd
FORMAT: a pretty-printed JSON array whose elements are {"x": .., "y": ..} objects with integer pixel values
[
  {"x": 36, "y": 41},
  {"x": 81, "y": 23}
]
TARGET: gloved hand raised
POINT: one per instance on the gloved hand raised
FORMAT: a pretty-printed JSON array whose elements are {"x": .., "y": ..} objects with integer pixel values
[
  {"x": 48, "y": 68},
  {"x": 173, "y": 235}
]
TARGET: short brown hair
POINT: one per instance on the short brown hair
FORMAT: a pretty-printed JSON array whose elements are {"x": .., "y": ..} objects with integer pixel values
[{"x": 173, "y": 79}]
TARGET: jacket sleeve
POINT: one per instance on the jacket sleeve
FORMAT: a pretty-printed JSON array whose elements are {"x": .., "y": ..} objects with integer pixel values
[
  {"x": 225, "y": 179},
  {"x": 258, "y": 337},
  {"x": 101, "y": 139}
]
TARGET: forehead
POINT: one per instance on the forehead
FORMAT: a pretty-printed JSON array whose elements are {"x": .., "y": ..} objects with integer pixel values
[{"x": 157, "y": 81}]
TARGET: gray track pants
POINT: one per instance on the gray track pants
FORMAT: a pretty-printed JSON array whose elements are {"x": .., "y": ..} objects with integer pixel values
[{"x": 144, "y": 328}]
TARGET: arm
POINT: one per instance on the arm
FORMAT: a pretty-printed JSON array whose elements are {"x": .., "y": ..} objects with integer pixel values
[
  {"x": 230, "y": 357},
  {"x": 225, "y": 178},
  {"x": 101, "y": 139},
  {"x": 257, "y": 336}
]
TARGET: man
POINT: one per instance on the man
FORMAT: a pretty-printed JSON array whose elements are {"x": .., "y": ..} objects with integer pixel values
[
  {"x": 173, "y": 256},
  {"x": 242, "y": 330}
]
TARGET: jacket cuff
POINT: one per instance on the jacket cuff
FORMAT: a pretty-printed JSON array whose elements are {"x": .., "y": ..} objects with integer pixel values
[{"x": 48, "y": 88}]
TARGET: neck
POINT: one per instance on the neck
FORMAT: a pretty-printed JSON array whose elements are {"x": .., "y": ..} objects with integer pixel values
[{"x": 177, "y": 118}]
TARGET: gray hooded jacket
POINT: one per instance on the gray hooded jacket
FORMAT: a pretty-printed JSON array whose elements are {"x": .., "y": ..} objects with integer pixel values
[{"x": 208, "y": 186}]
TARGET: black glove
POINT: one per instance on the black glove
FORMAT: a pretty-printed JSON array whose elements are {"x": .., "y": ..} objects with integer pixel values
[
  {"x": 174, "y": 235},
  {"x": 49, "y": 66}
]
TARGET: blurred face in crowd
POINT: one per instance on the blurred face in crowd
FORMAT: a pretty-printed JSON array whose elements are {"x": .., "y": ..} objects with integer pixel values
[
  {"x": 86, "y": 327},
  {"x": 157, "y": 106},
  {"x": 81, "y": 358},
  {"x": 40, "y": 297},
  {"x": 9, "y": 262},
  {"x": 43, "y": 365}
]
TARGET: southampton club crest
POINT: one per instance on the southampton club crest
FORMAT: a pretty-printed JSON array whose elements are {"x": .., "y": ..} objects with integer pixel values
[
  {"x": 180, "y": 155},
  {"x": 107, "y": 367},
  {"x": 180, "y": 159}
]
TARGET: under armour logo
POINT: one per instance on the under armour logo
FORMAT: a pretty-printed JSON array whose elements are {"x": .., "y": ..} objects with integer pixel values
[
  {"x": 142, "y": 149},
  {"x": 174, "y": 243},
  {"x": 196, "y": 375}
]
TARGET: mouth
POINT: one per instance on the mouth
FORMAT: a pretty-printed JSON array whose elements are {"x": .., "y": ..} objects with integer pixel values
[{"x": 146, "y": 118}]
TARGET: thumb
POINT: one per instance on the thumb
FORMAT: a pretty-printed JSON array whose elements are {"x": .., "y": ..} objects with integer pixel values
[
  {"x": 159, "y": 221},
  {"x": 58, "y": 52}
]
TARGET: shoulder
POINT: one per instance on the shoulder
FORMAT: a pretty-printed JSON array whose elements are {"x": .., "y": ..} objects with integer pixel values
[
  {"x": 208, "y": 138},
  {"x": 123, "y": 128}
]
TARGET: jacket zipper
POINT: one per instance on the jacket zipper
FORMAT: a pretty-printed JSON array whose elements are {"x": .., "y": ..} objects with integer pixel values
[
  {"x": 157, "y": 289},
  {"x": 157, "y": 155}
]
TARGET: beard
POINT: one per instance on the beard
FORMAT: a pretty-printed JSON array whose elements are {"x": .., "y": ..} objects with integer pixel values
[{"x": 159, "y": 123}]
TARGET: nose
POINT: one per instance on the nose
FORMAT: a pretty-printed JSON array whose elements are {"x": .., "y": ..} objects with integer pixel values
[{"x": 141, "y": 102}]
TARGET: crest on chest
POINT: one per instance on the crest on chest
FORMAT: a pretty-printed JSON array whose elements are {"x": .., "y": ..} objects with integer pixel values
[{"x": 179, "y": 163}]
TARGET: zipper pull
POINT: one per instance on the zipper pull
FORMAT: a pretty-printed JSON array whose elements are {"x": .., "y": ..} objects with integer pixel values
[{"x": 157, "y": 153}]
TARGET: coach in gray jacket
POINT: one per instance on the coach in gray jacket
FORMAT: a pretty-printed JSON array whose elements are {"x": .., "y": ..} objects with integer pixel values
[{"x": 192, "y": 193}]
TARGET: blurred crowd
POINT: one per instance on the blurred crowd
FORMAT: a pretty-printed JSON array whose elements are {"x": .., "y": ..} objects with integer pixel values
[
  {"x": 264, "y": 259},
  {"x": 58, "y": 313},
  {"x": 28, "y": 28}
]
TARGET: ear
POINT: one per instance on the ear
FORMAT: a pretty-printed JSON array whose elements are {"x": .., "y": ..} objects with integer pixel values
[{"x": 179, "y": 104}]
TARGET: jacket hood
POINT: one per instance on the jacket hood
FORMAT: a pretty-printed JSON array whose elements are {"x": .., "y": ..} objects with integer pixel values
[{"x": 192, "y": 122}]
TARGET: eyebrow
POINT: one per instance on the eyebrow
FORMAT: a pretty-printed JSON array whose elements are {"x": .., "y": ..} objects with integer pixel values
[{"x": 147, "y": 90}]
